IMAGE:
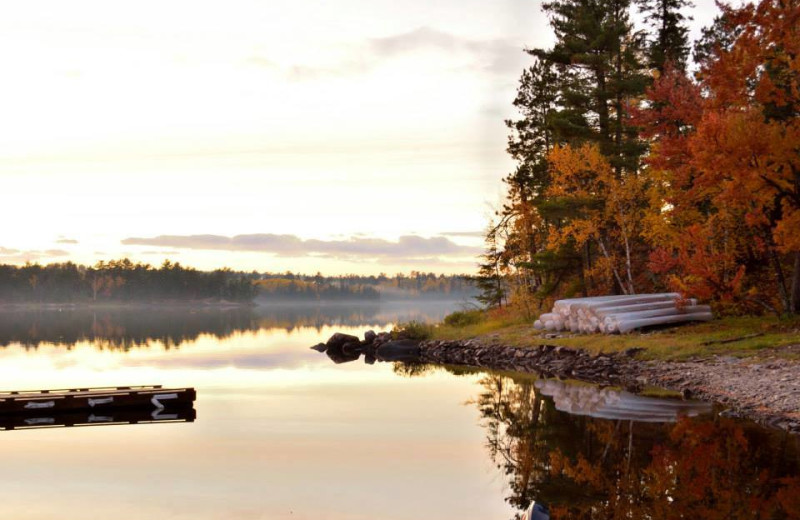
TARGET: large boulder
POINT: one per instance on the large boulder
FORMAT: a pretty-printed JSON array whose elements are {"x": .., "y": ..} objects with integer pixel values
[
  {"x": 337, "y": 340},
  {"x": 399, "y": 350}
]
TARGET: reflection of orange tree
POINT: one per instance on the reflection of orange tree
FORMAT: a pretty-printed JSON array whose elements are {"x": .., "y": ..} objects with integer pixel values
[
  {"x": 702, "y": 469},
  {"x": 588, "y": 468},
  {"x": 522, "y": 429}
]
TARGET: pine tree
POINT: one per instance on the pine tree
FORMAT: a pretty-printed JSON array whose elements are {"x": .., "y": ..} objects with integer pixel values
[
  {"x": 670, "y": 39},
  {"x": 529, "y": 142},
  {"x": 489, "y": 279},
  {"x": 598, "y": 54}
]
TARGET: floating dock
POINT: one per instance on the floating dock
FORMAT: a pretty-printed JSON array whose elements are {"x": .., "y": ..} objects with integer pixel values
[
  {"x": 146, "y": 404},
  {"x": 148, "y": 397}
]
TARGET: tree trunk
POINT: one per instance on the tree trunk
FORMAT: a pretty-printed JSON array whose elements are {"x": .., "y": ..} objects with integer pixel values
[
  {"x": 795, "y": 307},
  {"x": 618, "y": 106},
  {"x": 787, "y": 301},
  {"x": 602, "y": 111},
  {"x": 613, "y": 269}
]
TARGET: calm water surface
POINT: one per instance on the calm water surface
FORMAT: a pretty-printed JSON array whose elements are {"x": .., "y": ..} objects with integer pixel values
[{"x": 283, "y": 433}]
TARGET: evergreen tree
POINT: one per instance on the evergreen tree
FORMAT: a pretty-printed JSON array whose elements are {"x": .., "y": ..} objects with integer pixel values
[
  {"x": 489, "y": 279},
  {"x": 598, "y": 55},
  {"x": 670, "y": 41}
]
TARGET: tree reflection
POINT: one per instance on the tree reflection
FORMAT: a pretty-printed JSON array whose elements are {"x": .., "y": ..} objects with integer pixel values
[
  {"x": 124, "y": 328},
  {"x": 585, "y": 467}
]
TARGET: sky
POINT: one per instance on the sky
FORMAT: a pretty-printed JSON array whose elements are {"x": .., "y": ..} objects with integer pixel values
[{"x": 356, "y": 136}]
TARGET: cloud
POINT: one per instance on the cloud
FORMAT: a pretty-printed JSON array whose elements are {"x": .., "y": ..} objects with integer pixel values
[
  {"x": 479, "y": 234},
  {"x": 497, "y": 56},
  {"x": 66, "y": 241},
  {"x": 8, "y": 255},
  {"x": 165, "y": 253},
  {"x": 493, "y": 55},
  {"x": 408, "y": 246}
]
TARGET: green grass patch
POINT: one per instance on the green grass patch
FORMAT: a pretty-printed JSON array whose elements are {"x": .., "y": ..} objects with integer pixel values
[{"x": 682, "y": 342}]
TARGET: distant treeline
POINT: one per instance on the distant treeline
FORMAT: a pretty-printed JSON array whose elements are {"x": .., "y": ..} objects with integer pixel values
[
  {"x": 120, "y": 281},
  {"x": 127, "y": 281},
  {"x": 357, "y": 287}
]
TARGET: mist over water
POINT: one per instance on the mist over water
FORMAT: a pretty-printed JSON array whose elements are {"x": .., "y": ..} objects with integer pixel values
[{"x": 129, "y": 327}]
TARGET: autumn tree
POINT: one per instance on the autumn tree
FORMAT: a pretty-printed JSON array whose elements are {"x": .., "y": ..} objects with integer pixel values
[
  {"x": 736, "y": 171},
  {"x": 608, "y": 210}
]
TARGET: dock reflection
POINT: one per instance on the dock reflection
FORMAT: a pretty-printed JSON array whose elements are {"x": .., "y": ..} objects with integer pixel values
[{"x": 99, "y": 418}]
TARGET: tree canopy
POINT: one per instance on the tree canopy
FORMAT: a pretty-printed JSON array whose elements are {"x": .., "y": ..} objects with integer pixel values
[{"x": 635, "y": 175}]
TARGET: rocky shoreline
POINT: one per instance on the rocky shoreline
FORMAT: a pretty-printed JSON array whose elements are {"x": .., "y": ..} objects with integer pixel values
[{"x": 765, "y": 389}]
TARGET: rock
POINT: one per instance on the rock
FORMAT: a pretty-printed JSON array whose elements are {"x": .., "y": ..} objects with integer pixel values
[
  {"x": 399, "y": 350},
  {"x": 320, "y": 347},
  {"x": 352, "y": 347},
  {"x": 335, "y": 344},
  {"x": 368, "y": 349},
  {"x": 381, "y": 338},
  {"x": 339, "y": 339}
]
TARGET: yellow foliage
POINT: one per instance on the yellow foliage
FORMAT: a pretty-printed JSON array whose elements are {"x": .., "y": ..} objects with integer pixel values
[{"x": 610, "y": 210}]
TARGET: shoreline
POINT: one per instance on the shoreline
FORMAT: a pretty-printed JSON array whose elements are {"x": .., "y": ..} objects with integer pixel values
[{"x": 764, "y": 389}]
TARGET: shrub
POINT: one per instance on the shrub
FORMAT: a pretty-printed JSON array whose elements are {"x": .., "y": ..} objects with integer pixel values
[
  {"x": 412, "y": 330},
  {"x": 463, "y": 318}
]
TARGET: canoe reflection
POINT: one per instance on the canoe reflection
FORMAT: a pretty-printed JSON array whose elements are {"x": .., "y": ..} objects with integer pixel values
[{"x": 606, "y": 403}]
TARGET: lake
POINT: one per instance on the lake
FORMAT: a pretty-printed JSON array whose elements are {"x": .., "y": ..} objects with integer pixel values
[{"x": 281, "y": 432}]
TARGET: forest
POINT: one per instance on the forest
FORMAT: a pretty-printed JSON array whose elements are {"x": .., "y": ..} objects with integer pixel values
[
  {"x": 120, "y": 281},
  {"x": 123, "y": 280},
  {"x": 365, "y": 287},
  {"x": 646, "y": 162}
]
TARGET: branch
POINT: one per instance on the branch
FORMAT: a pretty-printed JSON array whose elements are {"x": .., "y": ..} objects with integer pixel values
[{"x": 732, "y": 340}]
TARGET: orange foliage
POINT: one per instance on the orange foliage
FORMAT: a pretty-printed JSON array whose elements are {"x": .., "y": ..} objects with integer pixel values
[
  {"x": 611, "y": 208},
  {"x": 727, "y": 166}
]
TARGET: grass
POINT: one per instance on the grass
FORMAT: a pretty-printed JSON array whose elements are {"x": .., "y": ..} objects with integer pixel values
[{"x": 674, "y": 343}]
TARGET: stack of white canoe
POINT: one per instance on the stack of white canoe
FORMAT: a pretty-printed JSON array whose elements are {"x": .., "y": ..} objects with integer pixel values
[{"x": 621, "y": 314}]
